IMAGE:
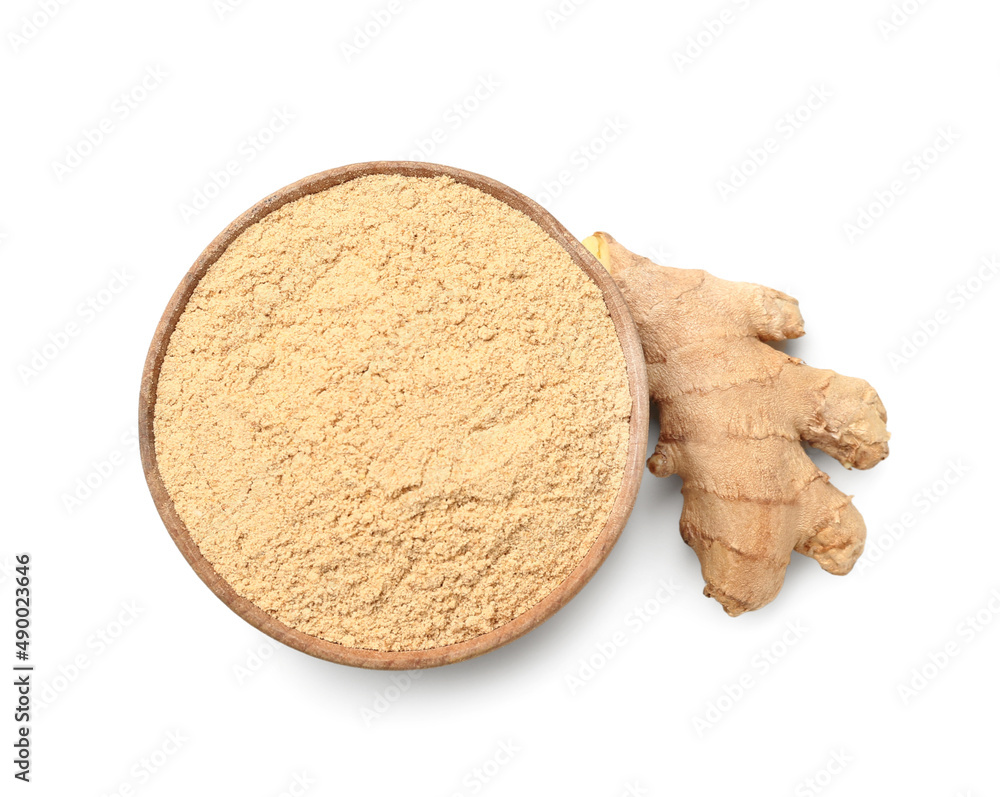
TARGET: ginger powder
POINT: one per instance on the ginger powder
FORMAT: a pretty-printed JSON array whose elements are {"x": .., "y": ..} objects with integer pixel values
[{"x": 393, "y": 414}]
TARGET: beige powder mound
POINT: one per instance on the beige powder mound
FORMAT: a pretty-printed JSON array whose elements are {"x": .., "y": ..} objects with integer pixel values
[{"x": 394, "y": 414}]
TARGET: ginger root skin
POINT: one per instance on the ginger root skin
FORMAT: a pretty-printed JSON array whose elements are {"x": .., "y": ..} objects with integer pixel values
[{"x": 734, "y": 412}]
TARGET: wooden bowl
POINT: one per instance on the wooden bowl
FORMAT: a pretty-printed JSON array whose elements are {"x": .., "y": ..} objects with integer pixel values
[{"x": 402, "y": 660}]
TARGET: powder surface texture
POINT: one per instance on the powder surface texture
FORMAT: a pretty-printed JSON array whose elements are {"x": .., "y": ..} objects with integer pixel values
[{"x": 394, "y": 414}]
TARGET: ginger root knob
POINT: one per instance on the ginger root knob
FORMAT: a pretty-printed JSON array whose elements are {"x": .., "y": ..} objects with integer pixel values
[{"x": 733, "y": 415}]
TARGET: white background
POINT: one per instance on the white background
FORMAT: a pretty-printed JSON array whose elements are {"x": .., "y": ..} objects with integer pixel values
[{"x": 253, "y": 716}]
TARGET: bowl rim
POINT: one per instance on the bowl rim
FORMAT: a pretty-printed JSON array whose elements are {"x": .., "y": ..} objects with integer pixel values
[{"x": 628, "y": 337}]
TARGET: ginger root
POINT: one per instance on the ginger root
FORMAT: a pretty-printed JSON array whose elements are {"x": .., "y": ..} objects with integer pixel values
[{"x": 733, "y": 414}]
